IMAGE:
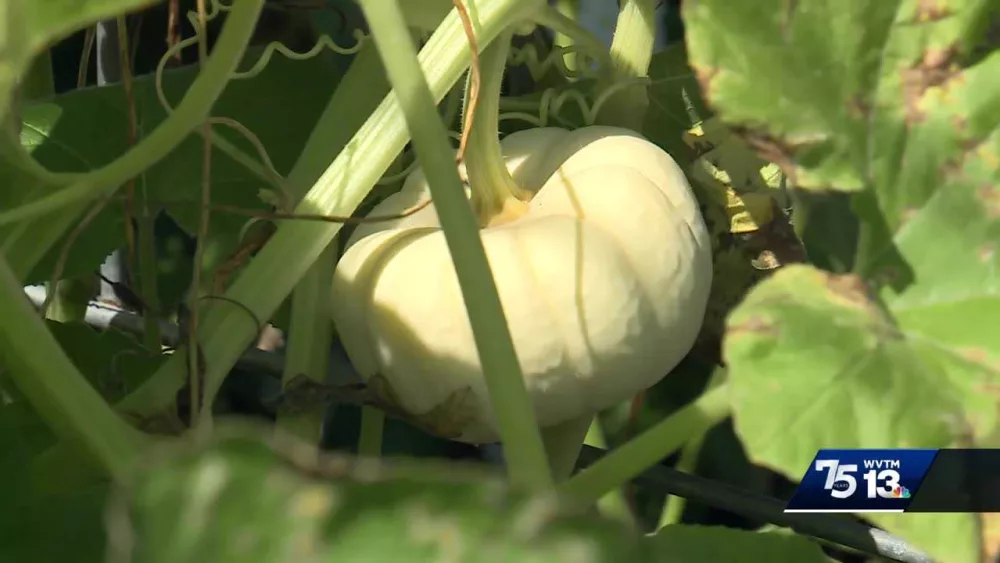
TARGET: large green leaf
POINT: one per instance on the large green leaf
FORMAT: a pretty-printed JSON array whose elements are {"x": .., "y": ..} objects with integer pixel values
[
  {"x": 815, "y": 363},
  {"x": 85, "y": 129},
  {"x": 237, "y": 501},
  {"x": 113, "y": 362},
  {"x": 812, "y": 82},
  {"x": 54, "y": 502},
  {"x": 900, "y": 99},
  {"x": 28, "y": 28},
  {"x": 798, "y": 75},
  {"x": 58, "y": 522}
]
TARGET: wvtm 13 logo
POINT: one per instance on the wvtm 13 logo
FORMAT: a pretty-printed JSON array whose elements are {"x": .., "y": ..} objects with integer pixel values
[
  {"x": 841, "y": 483},
  {"x": 861, "y": 481}
]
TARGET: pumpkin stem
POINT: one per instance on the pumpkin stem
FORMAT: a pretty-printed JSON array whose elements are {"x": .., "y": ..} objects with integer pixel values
[{"x": 491, "y": 182}]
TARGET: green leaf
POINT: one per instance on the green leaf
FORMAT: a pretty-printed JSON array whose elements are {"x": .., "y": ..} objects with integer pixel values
[
  {"x": 59, "y": 133},
  {"x": 28, "y": 28},
  {"x": 820, "y": 60},
  {"x": 815, "y": 362},
  {"x": 115, "y": 363},
  {"x": 898, "y": 101},
  {"x": 43, "y": 525},
  {"x": 675, "y": 103},
  {"x": 238, "y": 501},
  {"x": 828, "y": 227},
  {"x": 840, "y": 70},
  {"x": 699, "y": 544}
]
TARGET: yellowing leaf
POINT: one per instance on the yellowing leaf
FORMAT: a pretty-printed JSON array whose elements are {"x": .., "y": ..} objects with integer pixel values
[{"x": 733, "y": 175}]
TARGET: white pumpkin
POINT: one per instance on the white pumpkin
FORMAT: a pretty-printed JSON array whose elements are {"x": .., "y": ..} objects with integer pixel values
[{"x": 604, "y": 276}]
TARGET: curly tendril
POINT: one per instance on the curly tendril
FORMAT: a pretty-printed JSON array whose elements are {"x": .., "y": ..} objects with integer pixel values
[
  {"x": 553, "y": 100},
  {"x": 322, "y": 42},
  {"x": 264, "y": 169},
  {"x": 550, "y": 106},
  {"x": 556, "y": 58}
]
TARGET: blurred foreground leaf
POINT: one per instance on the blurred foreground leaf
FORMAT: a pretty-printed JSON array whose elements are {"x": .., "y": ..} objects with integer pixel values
[
  {"x": 239, "y": 501},
  {"x": 700, "y": 544},
  {"x": 815, "y": 362}
]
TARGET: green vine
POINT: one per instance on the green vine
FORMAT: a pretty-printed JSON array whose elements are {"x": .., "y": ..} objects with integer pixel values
[
  {"x": 65, "y": 205},
  {"x": 70, "y": 406}
]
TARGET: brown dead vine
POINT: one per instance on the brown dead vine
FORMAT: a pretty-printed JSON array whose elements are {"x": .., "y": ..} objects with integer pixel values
[{"x": 173, "y": 37}]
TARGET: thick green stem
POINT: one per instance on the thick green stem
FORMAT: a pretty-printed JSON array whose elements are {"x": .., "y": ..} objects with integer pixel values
[
  {"x": 631, "y": 52},
  {"x": 673, "y": 507},
  {"x": 311, "y": 330},
  {"x": 38, "y": 83},
  {"x": 358, "y": 95},
  {"x": 372, "y": 428},
  {"x": 518, "y": 429},
  {"x": 571, "y": 10},
  {"x": 563, "y": 443},
  {"x": 308, "y": 352},
  {"x": 56, "y": 389},
  {"x": 225, "y": 331},
  {"x": 585, "y": 41},
  {"x": 492, "y": 185},
  {"x": 66, "y": 205},
  {"x": 614, "y": 503},
  {"x": 647, "y": 449}
]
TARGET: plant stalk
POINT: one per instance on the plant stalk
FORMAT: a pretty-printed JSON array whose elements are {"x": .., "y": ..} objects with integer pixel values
[
  {"x": 491, "y": 182},
  {"x": 60, "y": 394},
  {"x": 311, "y": 329},
  {"x": 571, "y": 10},
  {"x": 647, "y": 449},
  {"x": 308, "y": 352},
  {"x": 614, "y": 504},
  {"x": 583, "y": 40},
  {"x": 673, "y": 506},
  {"x": 518, "y": 429},
  {"x": 38, "y": 83},
  {"x": 631, "y": 53},
  {"x": 372, "y": 429},
  {"x": 563, "y": 443}
]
